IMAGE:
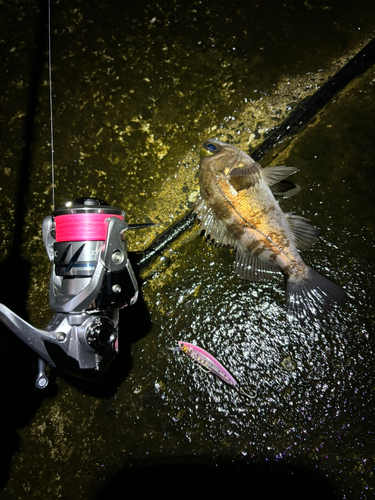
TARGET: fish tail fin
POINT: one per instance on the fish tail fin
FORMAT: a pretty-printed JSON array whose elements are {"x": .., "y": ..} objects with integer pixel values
[{"x": 312, "y": 296}]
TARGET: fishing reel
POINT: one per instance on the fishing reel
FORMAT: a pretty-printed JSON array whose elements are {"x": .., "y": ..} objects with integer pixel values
[{"x": 91, "y": 279}]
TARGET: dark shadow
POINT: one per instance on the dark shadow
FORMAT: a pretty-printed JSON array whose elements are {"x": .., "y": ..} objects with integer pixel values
[
  {"x": 18, "y": 367},
  {"x": 268, "y": 481},
  {"x": 19, "y": 398}
]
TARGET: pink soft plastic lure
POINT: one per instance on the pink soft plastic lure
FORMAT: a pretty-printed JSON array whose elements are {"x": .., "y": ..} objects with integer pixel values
[{"x": 206, "y": 360}]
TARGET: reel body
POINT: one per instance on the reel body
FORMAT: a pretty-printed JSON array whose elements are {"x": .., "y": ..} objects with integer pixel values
[{"x": 91, "y": 279}]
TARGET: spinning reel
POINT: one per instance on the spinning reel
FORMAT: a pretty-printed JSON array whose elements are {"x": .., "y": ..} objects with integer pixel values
[{"x": 91, "y": 279}]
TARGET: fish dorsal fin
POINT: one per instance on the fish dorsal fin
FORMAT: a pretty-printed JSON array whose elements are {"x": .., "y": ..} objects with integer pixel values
[
  {"x": 273, "y": 175},
  {"x": 245, "y": 177},
  {"x": 252, "y": 268},
  {"x": 304, "y": 234},
  {"x": 212, "y": 227}
]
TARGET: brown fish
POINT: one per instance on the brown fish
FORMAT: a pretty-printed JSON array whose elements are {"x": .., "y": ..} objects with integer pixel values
[{"x": 237, "y": 208}]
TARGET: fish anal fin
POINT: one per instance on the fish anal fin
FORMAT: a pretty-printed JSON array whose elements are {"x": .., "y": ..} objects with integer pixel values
[
  {"x": 273, "y": 175},
  {"x": 304, "y": 234},
  {"x": 252, "y": 268}
]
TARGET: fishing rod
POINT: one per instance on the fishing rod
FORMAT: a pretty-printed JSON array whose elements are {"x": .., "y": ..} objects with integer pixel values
[
  {"x": 91, "y": 280},
  {"x": 311, "y": 106}
]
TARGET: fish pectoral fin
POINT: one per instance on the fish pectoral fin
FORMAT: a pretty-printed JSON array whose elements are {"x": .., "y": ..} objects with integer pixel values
[
  {"x": 252, "y": 268},
  {"x": 249, "y": 169},
  {"x": 273, "y": 175},
  {"x": 245, "y": 177},
  {"x": 285, "y": 188},
  {"x": 212, "y": 227},
  {"x": 304, "y": 234},
  {"x": 242, "y": 182}
]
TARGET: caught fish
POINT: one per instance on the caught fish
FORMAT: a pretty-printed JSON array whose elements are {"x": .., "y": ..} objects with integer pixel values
[
  {"x": 237, "y": 207},
  {"x": 207, "y": 361}
]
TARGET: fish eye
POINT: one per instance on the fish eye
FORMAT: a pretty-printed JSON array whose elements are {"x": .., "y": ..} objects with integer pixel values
[
  {"x": 208, "y": 149},
  {"x": 211, "y": 147}
]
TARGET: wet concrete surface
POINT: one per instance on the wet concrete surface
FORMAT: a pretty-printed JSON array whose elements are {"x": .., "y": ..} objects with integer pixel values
[{"x": 137, "y": 88}]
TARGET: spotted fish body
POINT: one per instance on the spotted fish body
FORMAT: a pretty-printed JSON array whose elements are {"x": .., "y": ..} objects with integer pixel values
[{"x": 237, "y": 207}]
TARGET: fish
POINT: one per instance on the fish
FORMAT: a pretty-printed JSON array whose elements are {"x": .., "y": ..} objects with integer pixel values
[{"x": 237, "y": 208}]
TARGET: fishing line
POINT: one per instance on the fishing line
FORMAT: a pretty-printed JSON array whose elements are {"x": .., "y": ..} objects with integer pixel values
[
  {"x": 82, "y": 226},
  {"x": 50, "y": 106},
  {"x": 72, "y": 226}
]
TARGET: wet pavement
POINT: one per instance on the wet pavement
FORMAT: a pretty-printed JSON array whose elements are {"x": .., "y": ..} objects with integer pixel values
[{"x": 137, "y": 89}]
